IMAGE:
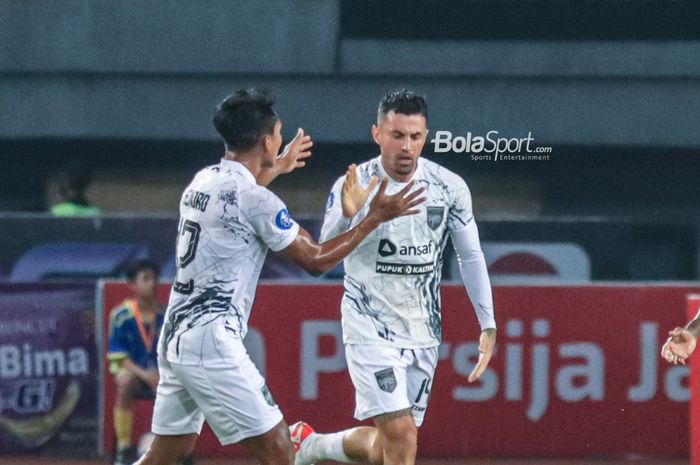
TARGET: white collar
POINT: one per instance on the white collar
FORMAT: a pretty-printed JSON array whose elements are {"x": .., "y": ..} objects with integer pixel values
[
  {"x": 383, "y": 173},
  {"x": 238, "y": 167}
]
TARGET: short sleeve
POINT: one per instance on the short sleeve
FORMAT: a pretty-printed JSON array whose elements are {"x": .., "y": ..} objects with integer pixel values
[
  {"x": 268, "y": 215},
  {"x": 460, "y": 212}
]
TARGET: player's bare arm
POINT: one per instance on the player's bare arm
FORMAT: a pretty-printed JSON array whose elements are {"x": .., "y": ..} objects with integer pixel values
[
  {"x": 291, "y": 158},
  {"x": 681, "y": 342},
  {"x": 318, "y": 258},
  {"x": 353, "y": 195}
]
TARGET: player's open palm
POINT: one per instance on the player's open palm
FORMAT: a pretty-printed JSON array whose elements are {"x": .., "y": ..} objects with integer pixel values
[
  {"x": 387, "y": 207},
  {"x": 679, "y": 346},
  {"x": 487, "y": 342},
  {"x": 353, "y": 195},
  {"x": 295, "y": 153}
]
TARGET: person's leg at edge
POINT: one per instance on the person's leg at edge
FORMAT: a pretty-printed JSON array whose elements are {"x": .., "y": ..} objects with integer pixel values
[
  {"x": 169, "y": 450},
  {"x": 127, "y": 386},
  {"x": 272, "y": 448},
  {"x": 393, "y": 441}
]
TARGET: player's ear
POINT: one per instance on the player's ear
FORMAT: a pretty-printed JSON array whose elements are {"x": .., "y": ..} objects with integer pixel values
[
  {"x": 375, "y": 133},
  {"x": 267, "y": 143}
]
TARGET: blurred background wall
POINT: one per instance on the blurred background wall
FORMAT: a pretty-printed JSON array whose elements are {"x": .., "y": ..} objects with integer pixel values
[{"x": 128, "y": 89}]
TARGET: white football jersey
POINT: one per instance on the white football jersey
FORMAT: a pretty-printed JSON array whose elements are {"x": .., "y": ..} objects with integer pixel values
[
  {"x": 392, "y": 279},
  {"x": 227, "y": 224}
]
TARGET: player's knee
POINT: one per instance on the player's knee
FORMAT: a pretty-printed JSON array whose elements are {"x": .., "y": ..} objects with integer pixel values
[
  {"x": 168, "y": 450},
  {"x": 278, "y": 448},
  {"x": 284, "y": 449},
  {"x": 400, "y": 437}
]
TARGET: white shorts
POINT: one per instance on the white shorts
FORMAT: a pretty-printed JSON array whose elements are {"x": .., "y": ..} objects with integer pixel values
[
  {"x": 387, "y": 379},
  {"x": 227, "y": 390}
]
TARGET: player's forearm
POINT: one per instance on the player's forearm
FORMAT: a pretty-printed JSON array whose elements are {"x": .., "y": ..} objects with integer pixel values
[
  {"x": 476, "y": 281},
  {"x": 334, "y": 226},
  {"x": 331, "y": 252},
  {"x": 474, "y": 273}
]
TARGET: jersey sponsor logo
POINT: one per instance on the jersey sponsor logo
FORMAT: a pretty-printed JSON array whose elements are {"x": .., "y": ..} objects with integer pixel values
[
  {"x": 388, "y": 248},
  {"x": 404, "y": 268},
  {"x": 386, "y": 379},
  {"x": 283, "y": 220},
  {"x": 435, "y": 216},
  {"x": 195, "y": 199},
  {"x": 331, "y": 199}
]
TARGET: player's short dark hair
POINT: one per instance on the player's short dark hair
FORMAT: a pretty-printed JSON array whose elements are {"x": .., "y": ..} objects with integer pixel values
[
  {"x": 405, "y": 102},
  {"x": 138, "y": 266},
  {"x": 243, "y": 117}
]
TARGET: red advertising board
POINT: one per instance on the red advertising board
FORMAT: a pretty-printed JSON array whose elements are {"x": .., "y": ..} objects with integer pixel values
[
  {"x": 693, "y": 309},
  {"x": 577, "y": 370}
]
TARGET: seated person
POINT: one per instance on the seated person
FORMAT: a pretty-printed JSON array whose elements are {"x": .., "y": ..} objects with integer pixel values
[
  {"x": 134, "y": 328},
  {"x": 72, "y": 185}
]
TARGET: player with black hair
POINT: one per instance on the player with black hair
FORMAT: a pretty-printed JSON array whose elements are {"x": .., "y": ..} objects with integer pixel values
[
  {"x": 392, "y": 325},
  {"x": 228, "y": 221}
]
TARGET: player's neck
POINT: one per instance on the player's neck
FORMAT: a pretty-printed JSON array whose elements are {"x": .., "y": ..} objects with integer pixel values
[
  {"x": 401, "y": 178},
  {"x": 248, "y": 159}
]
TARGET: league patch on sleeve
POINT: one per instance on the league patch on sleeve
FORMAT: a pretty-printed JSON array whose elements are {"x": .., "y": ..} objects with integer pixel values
[
  {"x": 283, "y": 220},
  {"x": 331, "y": 199}
]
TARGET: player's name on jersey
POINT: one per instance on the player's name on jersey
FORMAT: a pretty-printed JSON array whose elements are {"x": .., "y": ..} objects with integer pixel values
[
  {"x": 404, "y": 268},
  {"x": 195, "y": 199}
]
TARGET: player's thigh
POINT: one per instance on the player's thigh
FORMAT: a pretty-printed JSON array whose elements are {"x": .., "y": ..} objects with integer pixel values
[
  {"x": 232, "y": 395},
  {"x": 175, "y": 411},
  {"x": 419, "y": 380},
  {"x": 379, "y": 376}
]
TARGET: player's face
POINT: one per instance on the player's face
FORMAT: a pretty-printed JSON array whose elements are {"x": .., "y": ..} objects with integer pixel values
[
  {"x": 145, "y": 284},
  {"x": 401, "y": 139},
  {"x": 272, "y": 144}
]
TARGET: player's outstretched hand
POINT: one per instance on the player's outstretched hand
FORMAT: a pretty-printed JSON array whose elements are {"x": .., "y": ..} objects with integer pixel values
[
  {"x": 487, "y": 342},
  {"x": 679, "y": 346},
  {"x": 295, "y": 153},
  {"x": 387, "y": 207},
  {"x": 353, "y": 195}
]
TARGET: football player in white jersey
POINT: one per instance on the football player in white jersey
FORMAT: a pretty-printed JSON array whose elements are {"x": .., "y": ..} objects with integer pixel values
[
  {"x": 391, "y": 305},
  {"x": 228, "y": 221}
]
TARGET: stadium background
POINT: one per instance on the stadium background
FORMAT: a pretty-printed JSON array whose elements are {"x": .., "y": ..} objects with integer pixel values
[{"x": 127, "y": 89}]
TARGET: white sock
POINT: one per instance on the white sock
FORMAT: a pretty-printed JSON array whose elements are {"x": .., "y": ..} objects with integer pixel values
[{"x": 325, "y": 447}]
